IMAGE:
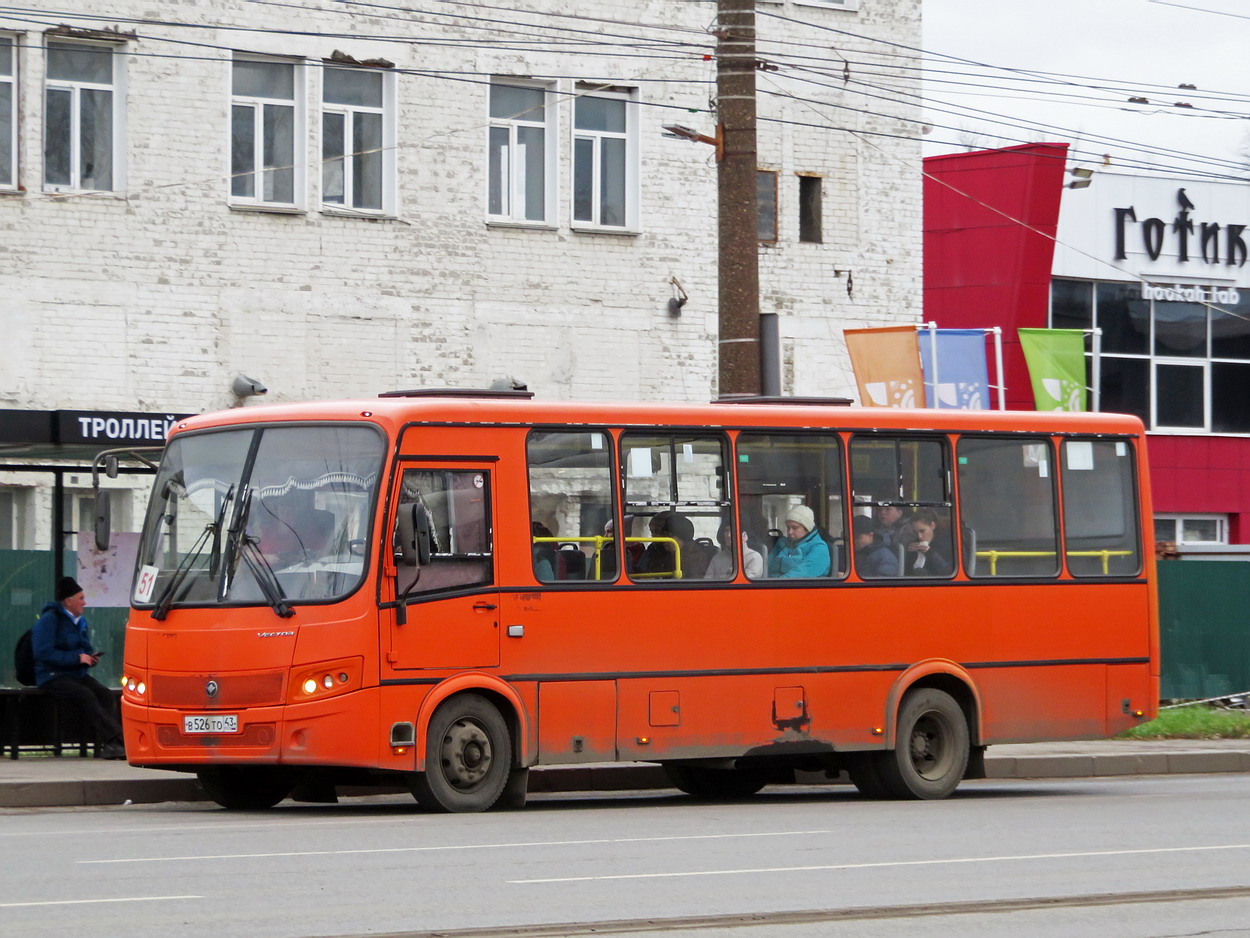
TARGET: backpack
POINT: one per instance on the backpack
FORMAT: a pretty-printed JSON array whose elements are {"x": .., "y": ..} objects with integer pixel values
[{"x": 24, "y": 659}]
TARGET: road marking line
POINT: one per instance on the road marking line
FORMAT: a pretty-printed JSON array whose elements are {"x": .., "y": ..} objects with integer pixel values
[
  {"x": 429, "y": 849},
  {"x": 19, "y": 905},
  {"x": 865, "y": 866}
]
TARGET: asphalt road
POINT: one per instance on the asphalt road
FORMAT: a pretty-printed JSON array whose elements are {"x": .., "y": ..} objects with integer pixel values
[{"x": 1150, "y": 856}]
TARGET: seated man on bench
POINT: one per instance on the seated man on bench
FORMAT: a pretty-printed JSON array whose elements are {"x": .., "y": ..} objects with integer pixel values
[{"x": 63, "y": 655}]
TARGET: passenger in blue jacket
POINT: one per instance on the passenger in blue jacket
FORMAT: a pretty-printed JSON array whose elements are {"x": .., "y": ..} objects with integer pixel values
[
  {"x": 873, "y": 559},
  {"x": 63, "y": 654},
  {"x": 802, "y": 552}
]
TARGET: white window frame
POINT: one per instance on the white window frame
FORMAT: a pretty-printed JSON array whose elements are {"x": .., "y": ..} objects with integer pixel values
[
  {"x": 1177, "y": 522},
  {"x": 514, "y": 185},
  {"x": 389, "y": 141},
  {"x": 632, "y": 161},
  {"x": 299, "y": 135},
  {"x": 118, "y": 91},
  {"x": 848, "y": 5},
  {"x": 12, "y": 80}
]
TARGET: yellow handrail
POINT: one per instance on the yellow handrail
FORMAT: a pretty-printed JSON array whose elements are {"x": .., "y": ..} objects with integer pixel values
[
  {"x": 599, "y": 540},
  {"x": 1106, "y": 555}
]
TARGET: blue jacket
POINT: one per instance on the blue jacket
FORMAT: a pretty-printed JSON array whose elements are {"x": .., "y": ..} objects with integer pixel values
[
  {"x": 876, "y": 560},
  {"x": 58, "y": 642},
  {"x": 809, "y": 557}
]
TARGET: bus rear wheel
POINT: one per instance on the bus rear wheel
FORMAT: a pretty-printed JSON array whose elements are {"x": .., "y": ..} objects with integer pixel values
[
  {"x": 245, "y": 788},
  {"x": 467, "y": 757},
  {"x": 702, "y": 782},
  {"x": 931, "y": 747}
]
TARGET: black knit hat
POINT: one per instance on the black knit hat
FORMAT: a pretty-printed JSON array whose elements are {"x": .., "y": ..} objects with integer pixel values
[{"x": 66, "y": 587}]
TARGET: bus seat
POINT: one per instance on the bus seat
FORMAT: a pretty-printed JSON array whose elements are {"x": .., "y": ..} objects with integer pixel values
[
  {"x": 570, "y": 563},
  {"x": 406, "y": 534},
  {"x": 969, "y": 537}
]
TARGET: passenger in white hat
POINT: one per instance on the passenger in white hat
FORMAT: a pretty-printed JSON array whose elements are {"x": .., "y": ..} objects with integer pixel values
[{"x": 802, "y": 552}]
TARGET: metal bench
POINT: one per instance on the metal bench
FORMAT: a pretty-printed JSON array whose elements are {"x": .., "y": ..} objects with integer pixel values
[{"x": 32, "y": 720}]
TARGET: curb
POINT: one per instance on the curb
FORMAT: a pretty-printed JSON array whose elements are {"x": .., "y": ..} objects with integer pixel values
[{"x": 179, "y": 787}]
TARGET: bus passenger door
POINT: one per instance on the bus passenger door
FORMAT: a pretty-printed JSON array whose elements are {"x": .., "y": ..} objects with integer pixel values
[{"x": 446, "y": 615}]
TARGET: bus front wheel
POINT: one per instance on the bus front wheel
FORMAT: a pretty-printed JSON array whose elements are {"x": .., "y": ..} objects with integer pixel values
[
  {"x": 245, "y": 788},
  {"x": 931, "y": 747},
  {"x": 467, "y": 757}
]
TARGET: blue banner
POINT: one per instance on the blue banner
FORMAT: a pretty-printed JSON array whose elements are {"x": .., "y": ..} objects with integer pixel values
[{"x": 962, "y": 375}]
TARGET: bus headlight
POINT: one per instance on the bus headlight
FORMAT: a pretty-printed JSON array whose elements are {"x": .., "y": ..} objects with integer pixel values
[
  {"x": 327, "y": 679},
  {"x": 134, "y": 687}
]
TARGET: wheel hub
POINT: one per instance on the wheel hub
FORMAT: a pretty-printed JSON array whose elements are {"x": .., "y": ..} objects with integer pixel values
[{"x": 466, "y": 754}]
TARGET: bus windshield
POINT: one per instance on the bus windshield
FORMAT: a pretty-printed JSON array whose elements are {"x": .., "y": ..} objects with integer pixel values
[{"x": 260, "y": 515}]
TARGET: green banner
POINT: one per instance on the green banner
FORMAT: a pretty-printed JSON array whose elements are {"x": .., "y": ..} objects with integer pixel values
[{"x": 1056, "y": 360}]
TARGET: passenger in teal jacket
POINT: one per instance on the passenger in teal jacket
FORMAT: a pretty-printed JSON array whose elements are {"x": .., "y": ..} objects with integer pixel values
[{"x": 802, "y": 552}]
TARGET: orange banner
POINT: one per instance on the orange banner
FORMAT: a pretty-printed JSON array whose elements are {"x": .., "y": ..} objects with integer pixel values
[{"x": 886, "y": 363}]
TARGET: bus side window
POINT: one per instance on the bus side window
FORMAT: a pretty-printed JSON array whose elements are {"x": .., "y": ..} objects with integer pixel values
[
  {"x": 904, "y": 484},
  {"x": 781, "y": 471},
  {"x": 1099, "y": 508},
  {"x": 1007, "y": 507},
  {"x": 572, "y": 528},
  {"x": 675, "y": 484},
  {"x": 443, "y": 530}
]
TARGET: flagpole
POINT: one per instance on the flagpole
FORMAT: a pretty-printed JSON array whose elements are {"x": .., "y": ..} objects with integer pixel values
[
  {"x": 998, "y": 367},
  {"x": 1096, "y": 371},
  {"x": 933, "y": 357}
]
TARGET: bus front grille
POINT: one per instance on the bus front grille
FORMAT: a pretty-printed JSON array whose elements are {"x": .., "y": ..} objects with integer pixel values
[{"x": 250, "y": 689}]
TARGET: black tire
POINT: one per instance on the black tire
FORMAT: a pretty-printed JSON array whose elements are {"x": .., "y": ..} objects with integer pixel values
[
  {"x": 515, "y": 791},
  {"x": 246, "y": 788},
  {"x": 703, "y": 782},
  {"x": 468, "y": 755},
  {"x": 931, "y": 747}
]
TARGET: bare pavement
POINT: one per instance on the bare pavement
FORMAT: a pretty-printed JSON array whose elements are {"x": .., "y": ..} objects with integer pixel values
[{"x": 59, "y": 781}]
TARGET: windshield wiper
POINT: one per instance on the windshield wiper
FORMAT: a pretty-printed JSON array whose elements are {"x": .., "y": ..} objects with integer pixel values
[
  {"x": 161, "y": 610},
  {"x": 263, "y": 573},
  {"x": 234, "y": 539}
]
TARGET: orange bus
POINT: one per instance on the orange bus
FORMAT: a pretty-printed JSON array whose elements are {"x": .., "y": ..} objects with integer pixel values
[{"x": 442, "y": 589}]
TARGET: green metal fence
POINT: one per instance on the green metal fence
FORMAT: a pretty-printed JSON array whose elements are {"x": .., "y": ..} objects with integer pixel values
[
  {"x": 26, "y": 583},
  {"x": 1204, "y": 630}
]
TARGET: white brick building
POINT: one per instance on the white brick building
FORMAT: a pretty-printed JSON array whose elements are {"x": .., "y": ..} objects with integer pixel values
[{"x": 205, "y": 234}]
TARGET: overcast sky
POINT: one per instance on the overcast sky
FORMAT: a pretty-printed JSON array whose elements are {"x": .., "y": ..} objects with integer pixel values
[{"x": 1111, "y": 50}]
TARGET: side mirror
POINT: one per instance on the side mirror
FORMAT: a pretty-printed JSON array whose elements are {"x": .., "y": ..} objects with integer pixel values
[
  {"x": 103, "y": 518},
  {"x": 414, "y": 538},
  {"x": 424, "y": 534},
  {"x": 110, "y": 466}
]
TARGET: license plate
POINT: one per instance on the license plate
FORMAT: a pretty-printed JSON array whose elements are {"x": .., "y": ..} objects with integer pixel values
[{"x": 210, "y": 723}]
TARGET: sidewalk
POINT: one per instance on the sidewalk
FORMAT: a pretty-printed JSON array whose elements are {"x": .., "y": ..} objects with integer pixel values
[{"x": 49, "y": 782}]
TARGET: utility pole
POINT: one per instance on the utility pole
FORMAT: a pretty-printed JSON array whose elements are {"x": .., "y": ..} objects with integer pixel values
[{"x": 739, "y": 272}]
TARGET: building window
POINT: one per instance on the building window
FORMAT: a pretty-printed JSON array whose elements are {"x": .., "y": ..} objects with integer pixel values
[
  {"x": 358, "y": 139},
  {"x": 521, "y": 164},
  {"x": 766, "y": 205},
  {"x": 810, "y": 190},
  {"x": 605, "y": 155},
  {"x": 833, "y": 4},
  {"x": 1192, "y": 529},
  {"x": 81, "y": 117},
  {"x": 265, "y": 122},
  {"x": 1178, "y": 363},
  {"x": 8, "y": 111}
]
